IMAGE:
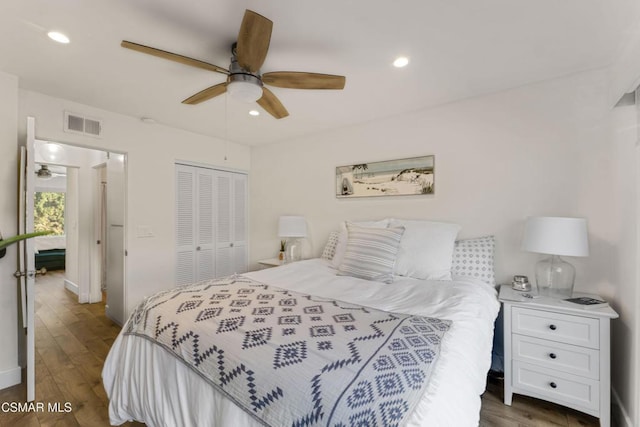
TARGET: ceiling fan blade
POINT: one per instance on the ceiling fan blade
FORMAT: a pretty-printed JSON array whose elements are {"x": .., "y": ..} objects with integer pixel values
[
  {"x": 206, "y": 94},
  {"x": 272, "y": 105},
  {"x": 253, "y": 41},
  {"x": 173, "y": 57},
  {"x": 299, "y": 80}
]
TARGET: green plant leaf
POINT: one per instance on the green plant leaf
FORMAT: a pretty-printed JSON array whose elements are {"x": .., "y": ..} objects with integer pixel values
[{"x": 6, "y": 242}]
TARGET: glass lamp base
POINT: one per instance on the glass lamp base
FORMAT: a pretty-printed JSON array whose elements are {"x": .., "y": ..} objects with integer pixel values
[
  {"x": 555, "y": 277},
  {"x": 294, "y": 250}
]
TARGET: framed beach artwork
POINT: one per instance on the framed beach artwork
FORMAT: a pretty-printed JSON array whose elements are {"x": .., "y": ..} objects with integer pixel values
[{"x": 401, "y": 177}]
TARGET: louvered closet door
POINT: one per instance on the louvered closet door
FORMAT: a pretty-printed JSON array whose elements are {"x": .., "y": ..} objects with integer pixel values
[
  {"x": 231, "y": 223},
  {"x": 205, "y": 244},
  {"x": 185, "y": 225},
  {"x": 239, "y": 214}
]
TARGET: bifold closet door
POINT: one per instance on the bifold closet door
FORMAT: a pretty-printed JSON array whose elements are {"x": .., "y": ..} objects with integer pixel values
[
  {"x": 211, "y": 223},
  {"x": 231, "y": 223},
  {"x": 194, "y": 224}
]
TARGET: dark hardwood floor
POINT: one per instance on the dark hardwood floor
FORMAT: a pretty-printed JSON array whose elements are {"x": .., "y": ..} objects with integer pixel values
[{"x": 72, "y": 341}]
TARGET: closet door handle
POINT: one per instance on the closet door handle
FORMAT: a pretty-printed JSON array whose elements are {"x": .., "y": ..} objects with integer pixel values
[
  {"x": 230, "y": 245},
  {"x": 198, "y": 248}
]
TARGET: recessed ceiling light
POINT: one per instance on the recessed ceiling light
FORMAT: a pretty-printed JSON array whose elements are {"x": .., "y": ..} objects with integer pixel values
[
  {"x": 401, "y": 61},
  {"x": 59, "y": 37},
  {"x": 254, "y": 113}
]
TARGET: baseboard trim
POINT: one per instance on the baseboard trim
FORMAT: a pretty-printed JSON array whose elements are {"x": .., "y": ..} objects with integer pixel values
[
  {"x": 618, "y": 411},
  {"x": 71, "y": 286},
  {"x": 10, "y": 377}
]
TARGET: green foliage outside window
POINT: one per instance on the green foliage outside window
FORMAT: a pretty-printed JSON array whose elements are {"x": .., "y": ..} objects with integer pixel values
[{"x": 49, "y": 212}]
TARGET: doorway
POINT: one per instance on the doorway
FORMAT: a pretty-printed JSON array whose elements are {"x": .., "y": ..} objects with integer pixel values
[{"x": 93, "y": 219}]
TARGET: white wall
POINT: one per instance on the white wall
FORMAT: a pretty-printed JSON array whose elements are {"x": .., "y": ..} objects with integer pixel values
[
  {"x": 625, "y": 256},
  {"x": 57, "y": 184},
  {"x": 9, "y": 370},
  {"x": 626, "y": 161},
  {"x": 498, "y": 159}
]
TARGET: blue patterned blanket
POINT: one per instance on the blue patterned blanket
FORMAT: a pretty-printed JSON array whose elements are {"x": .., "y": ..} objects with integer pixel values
[{"x": 291, "y": 359}]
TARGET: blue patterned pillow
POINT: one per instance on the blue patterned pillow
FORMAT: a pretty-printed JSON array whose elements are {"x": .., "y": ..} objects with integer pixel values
[
  {"x": 474, "y": 258},
  {"x": 330, "y": 248},
  {"x": 371, "y": 252}
]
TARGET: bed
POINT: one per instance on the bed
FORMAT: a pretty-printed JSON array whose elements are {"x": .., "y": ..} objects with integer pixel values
[
  {"x": 145, "y": 381},
  {"x": 50, "y": 252}
]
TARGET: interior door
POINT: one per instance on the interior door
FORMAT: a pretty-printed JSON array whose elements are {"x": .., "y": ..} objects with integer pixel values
[
  {"x": 240, "y": 238},
  {"x": 26, "y": 256},
  {"x": 224, "y": 224},
  {"x": 185, "y": 225},
  {"x": 231, "y": 223},
  {"x": 116, "y": 251},
  {"x": 205, "y": 225}
]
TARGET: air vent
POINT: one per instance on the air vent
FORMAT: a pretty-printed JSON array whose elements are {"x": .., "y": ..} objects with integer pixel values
[{"x": 76, "y": 123}]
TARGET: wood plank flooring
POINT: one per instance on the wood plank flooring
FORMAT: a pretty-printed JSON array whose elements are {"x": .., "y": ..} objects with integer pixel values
[{"x": 72, "y": 341}]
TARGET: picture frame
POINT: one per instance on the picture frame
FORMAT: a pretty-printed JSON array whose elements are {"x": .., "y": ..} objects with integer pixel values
[{"x": 399, "y": 177}]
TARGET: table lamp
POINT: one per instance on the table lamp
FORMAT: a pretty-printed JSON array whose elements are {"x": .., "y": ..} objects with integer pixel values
[
  {"x": 292, "y": 228},
  {"x": 556, "y": 236}
]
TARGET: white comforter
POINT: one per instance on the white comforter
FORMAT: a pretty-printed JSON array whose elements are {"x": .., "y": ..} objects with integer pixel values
[{"x": 145, "y": 383}]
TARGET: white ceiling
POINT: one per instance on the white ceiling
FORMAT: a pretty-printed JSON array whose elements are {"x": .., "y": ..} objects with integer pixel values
[{"x": 457, "y": 48}]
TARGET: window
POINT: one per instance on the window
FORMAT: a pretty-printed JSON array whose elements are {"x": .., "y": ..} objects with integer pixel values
[{"x": 49, "y": 212}]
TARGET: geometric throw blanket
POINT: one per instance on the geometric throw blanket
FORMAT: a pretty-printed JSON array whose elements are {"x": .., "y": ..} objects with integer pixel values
[{"x": 291, "y": 359}]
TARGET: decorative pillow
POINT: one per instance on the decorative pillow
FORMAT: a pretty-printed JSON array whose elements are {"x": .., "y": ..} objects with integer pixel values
[
  {"x": 474, "y": 258},
  {"x": 371, "y": 252},
  {"x": 342, "y": 239},
  {"x": 426, "y": 249},
  {"x": 330, "y": 248}
]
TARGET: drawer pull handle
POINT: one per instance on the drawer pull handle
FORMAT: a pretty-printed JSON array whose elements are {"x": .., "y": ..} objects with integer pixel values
[
  {"x": 552, "y": 355},
  {"x": 553, "y": 385},
  {"x": 552, "y": 327}
]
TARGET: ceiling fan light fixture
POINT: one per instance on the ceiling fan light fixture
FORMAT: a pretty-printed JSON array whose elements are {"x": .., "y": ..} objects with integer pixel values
[
  {"x": 243, "y": 86},
  {"x": 244, "y": 91},
  {"x": 44, "y": 172}
]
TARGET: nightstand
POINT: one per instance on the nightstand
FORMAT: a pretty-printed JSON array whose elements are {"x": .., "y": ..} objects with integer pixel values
[
  {"x": 556, "y": 352},
  {"x": 271, "y": 262}
]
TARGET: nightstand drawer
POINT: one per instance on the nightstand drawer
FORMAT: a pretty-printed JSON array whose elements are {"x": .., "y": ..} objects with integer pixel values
[
  {"x": 554, "y": 355},
  {"x": 569, "y": 390},
  {"x": 565, "y": 328}
]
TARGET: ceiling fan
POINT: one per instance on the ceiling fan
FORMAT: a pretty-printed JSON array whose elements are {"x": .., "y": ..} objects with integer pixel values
[
  {"x": 244, "y": 79},
  {"x": 45, "y": 173}
]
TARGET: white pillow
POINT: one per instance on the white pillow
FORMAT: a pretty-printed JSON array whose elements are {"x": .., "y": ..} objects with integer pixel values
[
  {"x": 371, "y": 252},
  {"x": 342, "y": 239},
  {"x": 474, "y": 258},
  {"x": 426, "y": 249}
]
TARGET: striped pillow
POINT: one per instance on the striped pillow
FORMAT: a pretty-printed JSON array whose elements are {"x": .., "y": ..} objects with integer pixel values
[{"x": 371, "y": 253}]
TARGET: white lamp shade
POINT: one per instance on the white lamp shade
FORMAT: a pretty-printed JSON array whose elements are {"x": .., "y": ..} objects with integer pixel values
[
  {"x": 556, "y": 236},
  {"x": 292, "y": 226}
]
